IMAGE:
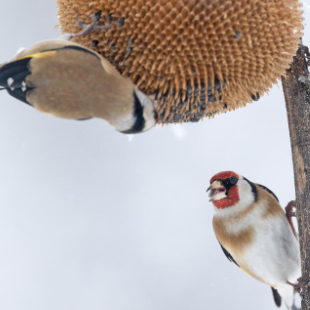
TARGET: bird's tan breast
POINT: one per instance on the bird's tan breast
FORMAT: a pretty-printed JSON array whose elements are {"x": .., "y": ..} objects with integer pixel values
[{"x": 235, "y": 243}]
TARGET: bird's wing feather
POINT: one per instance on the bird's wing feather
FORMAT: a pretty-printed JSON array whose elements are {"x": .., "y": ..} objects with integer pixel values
[
  {"x": 229, "y": 256},
  {"x": 269, "y": 191},
  {"x": 276, "y": 296}
]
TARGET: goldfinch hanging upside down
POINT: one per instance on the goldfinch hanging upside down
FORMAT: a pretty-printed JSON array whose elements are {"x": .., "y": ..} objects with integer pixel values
[
  {"x": 255, "y": 233},
  {"x": 70, "y": 81}
]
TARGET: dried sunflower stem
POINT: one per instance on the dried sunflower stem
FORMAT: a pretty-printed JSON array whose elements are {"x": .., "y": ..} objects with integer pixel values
[{"x": 296, "y": 87}]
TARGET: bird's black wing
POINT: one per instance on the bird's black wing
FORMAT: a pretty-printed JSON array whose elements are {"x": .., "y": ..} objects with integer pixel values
[
  {"x": 229, "y": 256},
  {"x": 269, "y": 191},
  {"x": 276, "y": 297}
]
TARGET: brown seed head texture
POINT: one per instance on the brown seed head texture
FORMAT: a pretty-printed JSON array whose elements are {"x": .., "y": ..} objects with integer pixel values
[{"x": 199, "y": 57}]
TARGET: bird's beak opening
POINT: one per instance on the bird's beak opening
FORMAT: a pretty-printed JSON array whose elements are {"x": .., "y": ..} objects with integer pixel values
[{"x": 217, "y": 191}]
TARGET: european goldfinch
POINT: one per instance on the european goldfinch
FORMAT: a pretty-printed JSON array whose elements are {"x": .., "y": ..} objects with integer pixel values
[
  {"x": 70, "y": 81},
  {"x": 255, "y": 233}
]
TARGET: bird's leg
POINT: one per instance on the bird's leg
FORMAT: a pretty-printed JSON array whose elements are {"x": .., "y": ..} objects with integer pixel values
[
  {"x": 94, "y": 26},
  {"x": 290, "y": 213},
  {"x": 300, "y": 285}
]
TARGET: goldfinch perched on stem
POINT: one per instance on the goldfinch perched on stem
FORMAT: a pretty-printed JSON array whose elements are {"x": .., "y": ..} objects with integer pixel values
[
  {"x": 255, "y": 233},
  {"x": 70, "y": 81}
]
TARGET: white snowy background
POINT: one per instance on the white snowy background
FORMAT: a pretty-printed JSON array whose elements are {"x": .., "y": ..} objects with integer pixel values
[{"x": 91, "y": 220}]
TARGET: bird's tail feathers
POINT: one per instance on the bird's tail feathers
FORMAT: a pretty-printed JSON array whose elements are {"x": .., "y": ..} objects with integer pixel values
[
  {"x": 13, "y": 78},
  {"x": 13, "y": 73},
  {"x": 276, "y": 296}
]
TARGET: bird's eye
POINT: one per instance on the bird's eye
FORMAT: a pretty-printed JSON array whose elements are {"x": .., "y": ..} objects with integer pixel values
[{"x": 233, "y": 180}]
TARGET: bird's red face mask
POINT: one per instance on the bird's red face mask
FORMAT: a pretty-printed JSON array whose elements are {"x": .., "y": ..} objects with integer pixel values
[{"x": 224, "y": 190}]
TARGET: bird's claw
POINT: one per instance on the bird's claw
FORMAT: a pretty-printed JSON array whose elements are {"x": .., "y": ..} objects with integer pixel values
[
  {"x": 109, "y": 17},
  {"x": 80, "y": 22},
  {"x": 289, "y": 214},
  {"x": 96, "y": 16},
  {"x": 88, "y": 29},
  {"x": 289, "y": 209},
  {"x": 300, "y": 285}
]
